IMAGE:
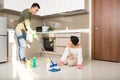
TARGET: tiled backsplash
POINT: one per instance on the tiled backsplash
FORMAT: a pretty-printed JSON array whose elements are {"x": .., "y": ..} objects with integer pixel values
[
  {"x": 12, "y": 20},
  {"x": 72, "y": 22}
]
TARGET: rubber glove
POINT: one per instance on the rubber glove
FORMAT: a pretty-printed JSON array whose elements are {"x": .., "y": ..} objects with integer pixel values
[
  {"x": 79, "y": 66},
  {"x": 35, "y": 35},
  {"x": 60, "y": 63}
]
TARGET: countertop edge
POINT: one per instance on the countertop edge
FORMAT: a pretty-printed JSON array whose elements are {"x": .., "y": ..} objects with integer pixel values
[{"x": 59, "y": 31}]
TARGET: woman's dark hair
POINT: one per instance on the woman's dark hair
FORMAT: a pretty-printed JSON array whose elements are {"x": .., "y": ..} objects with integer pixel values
[
  {"x": 74, "y": 40},
  {"x": 35, "y": 5}
]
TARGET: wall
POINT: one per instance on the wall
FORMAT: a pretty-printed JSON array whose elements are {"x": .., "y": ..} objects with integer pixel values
[
  {"x": 12, "y": 20},
  {"x": 72, "y": 22}
]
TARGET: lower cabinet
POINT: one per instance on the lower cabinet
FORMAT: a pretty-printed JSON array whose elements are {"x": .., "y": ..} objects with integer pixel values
[
  {"x": 61, "y": 41},
  {"x": 59, "y": 50},
  {"x": 33, "y": 48}
]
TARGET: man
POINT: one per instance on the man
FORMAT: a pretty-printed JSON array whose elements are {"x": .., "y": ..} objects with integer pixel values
[{"x": 23, "y": 27}]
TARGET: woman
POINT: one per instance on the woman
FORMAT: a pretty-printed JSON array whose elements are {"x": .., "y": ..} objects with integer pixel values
[{"x": 72, "y": 55}]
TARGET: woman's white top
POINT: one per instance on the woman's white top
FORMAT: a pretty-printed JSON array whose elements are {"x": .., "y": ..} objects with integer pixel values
[{"x": 75, "y": 51}]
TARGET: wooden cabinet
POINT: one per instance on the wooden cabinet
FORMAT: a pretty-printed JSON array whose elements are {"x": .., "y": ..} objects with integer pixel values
[
  {"x": 61, "y": 41},
  {"x": 67, "y": 35},
  {"x": 59, "y": 50},
  {"x": 48, "y": 7},
  {"x": 16, "y": 5},
  {"x": 33, "y": 47}
]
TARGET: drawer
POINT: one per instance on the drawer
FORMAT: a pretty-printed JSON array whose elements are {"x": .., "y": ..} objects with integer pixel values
[
  {"x": 67, "y": 34},
  {"x": 61, "y": 41},
  {"x": 59, "y": 50}
]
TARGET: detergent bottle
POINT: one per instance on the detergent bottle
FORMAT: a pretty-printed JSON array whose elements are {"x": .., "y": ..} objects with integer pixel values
[
  {"x": 48, "y": 64},
  {"x": 34, "y": 62},
  {"x": 28, "y": 63}
]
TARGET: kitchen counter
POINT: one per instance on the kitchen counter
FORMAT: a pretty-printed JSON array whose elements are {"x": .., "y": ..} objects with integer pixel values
[
  {"x": 72, "y": 31},
  {"x": 67, "y": 31},
  {"x": 11, "y": 30},
  {"x": 60, "y": 31},
  {"x": 33, "y": 48}
]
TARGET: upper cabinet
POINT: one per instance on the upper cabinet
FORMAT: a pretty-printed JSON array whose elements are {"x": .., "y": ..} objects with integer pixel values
[
  {"x": 17, "y": 5},
  {"x": 48, "y": 7}
]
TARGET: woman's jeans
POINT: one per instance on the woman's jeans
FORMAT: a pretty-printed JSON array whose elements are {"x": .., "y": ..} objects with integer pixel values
[{"x": 21, "y": 39}]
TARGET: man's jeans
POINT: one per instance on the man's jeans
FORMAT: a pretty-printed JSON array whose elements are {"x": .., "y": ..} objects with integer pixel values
[{"x": 21, "y": 39}]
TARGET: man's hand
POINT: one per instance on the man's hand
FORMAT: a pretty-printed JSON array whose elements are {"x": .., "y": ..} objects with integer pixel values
[
  {"x": 31, "y": 31},
  {"x": 35, "y": 35}
]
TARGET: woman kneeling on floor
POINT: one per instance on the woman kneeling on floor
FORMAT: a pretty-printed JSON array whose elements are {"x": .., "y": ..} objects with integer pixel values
[{"x": 72, "y": 55}]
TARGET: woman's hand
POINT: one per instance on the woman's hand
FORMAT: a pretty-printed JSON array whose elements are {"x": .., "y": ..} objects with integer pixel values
[
  {"x": 79, "y": 66},
  {"x": 60, "y": 63}
]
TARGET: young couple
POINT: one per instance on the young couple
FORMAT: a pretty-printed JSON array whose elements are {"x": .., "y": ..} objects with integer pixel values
[{"x": 73, "y": 52}]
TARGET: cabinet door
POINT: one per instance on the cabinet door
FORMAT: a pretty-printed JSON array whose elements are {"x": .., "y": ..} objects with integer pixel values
[
  {"x": 59, "y": 50},
  {"x": 18, "y": 5},
  {"x": 61, "y": 42},
  {"x": 67, "y": 35},
  {"x": 3, "y": 48},
  {"x": 48, "y": 7},
  {"x": 3, "y": 26}
]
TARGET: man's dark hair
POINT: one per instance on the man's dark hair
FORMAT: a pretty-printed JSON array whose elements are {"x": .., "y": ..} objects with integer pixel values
[
  {"x": 35, "y": 5},
  {"x": 74, "y": 40}
]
